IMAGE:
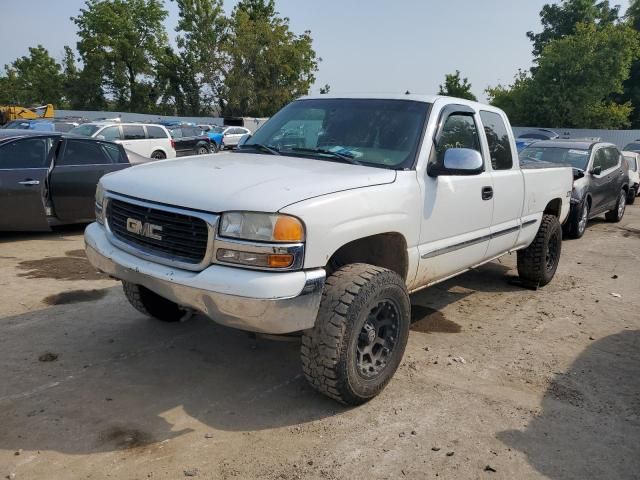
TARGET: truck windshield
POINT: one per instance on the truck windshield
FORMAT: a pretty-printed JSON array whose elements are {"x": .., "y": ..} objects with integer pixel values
[
  {"x": 574, "y": 157},
  {"x": 372, "y": 132}
]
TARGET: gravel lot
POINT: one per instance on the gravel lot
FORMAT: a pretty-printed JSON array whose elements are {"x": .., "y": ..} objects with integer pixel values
[{"x": 497, "y": 381}]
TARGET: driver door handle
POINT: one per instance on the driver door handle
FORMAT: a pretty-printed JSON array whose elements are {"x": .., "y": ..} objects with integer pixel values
[
  {"x": 29, "y": 182},
  {"x": 487, "y": 193}
]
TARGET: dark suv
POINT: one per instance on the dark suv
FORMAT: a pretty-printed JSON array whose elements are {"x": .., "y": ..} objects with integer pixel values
[{"x": 600, "y": 178}]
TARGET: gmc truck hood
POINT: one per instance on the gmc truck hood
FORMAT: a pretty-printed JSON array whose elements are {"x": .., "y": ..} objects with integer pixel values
[{"x": 237, "y": 181}]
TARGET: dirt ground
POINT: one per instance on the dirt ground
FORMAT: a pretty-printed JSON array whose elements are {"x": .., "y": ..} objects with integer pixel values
[{"x": 497, "y": 381}]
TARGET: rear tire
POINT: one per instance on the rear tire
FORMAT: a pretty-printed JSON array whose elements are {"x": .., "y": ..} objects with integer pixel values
[
  {"x": 202, "y": 151},
  {"x": 360, "y": 333},
  {"x": 158, "y": 155},
  {"x": 153, "y": 305},
  {"x": 214, "y": 147},
  {"x": 539, "y": 261},
  {"x": 617, "y": 213}
]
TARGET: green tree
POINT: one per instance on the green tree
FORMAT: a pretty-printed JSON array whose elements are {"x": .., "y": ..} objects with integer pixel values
[
  {"x": 454, "y": 86},
  {"x": 326, "y": 89},
  {"x": 267, "y": 64},
  {"x": 202, "y": 29},
  {"x": 120, "y": 43},
  {"x": 32, "y": 79},
  {"x": 632, "y": 84},
  {"x": 560, "y": 20},
  {"x": 575, "y": 80}
]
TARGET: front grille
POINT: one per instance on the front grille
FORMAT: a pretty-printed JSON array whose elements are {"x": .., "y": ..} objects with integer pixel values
[{"x": 183, "y": 237}]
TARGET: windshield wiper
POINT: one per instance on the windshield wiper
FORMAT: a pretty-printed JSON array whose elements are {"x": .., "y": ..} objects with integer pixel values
[
  {"x": 260, "y": 146},
  {"x": 346, "y": 157}
]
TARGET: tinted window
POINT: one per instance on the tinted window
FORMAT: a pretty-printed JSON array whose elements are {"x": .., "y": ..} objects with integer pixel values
[
  {"x": 78, "y": 152},
  {"x": 176, "y": 133},
  {"x": 155, "y": 132},
  {"x": 600, "y": 159},
  {"x": 133, "y": 132},
  {"x": 25, "y": 153},
  {"x": 111, "y": 133},
  {"x": 459, "y": 131},
  {"x": 498, "y": 140},
  {"x": 633, "y": 147},
  {"x": 612, "y": 157},
  {"x": 113, "y": 152}
]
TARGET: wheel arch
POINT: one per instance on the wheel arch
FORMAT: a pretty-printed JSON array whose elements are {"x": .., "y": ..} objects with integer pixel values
[
  {"x": 554, "y": 207},
  {"x": 386, "y": 250}
]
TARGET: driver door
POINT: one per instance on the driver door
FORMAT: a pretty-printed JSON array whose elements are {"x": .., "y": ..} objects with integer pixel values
[
  {"x": 457, "y": 210},
  {"x": 24, "y": 168}
]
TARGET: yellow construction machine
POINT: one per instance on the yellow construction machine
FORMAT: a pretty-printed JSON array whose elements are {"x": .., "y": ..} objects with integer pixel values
[{"x": 15, "y": 112}]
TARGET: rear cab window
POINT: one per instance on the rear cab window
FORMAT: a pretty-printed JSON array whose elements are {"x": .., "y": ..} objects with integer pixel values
[{"x": 498, "y": 140}]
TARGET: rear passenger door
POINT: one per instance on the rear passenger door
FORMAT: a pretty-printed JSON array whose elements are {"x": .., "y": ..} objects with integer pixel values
[
  {"x": 78, "y": 166},
  {"x": 134, "y": 139},
  {"x": 24, "y": 167},
  {"x": 508, "y": 184}
]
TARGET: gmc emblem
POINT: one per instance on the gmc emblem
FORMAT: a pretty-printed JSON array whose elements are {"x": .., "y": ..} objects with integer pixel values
[{"x": 144, "y": 229}]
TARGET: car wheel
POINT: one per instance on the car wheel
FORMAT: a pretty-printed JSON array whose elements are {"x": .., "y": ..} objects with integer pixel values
[
  {"x": 158, "y": 155},
  {"x": 360, "y": 333},
  {"x": 202, "y": 150},
  {"x": 539, "y": 261},
  {"x": 617, "y": 213},
  {"x": 153, "y": 305},
  {"x": 214, "y": 147},
  {"x": 631, "y": 197},
  {"x": 579, "y": 224}
]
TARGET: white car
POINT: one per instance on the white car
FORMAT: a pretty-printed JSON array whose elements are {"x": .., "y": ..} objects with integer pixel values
[
  {"x": 327, "y": 237},
  {"x": 148, "y": 140},
  {"x": 633, "y": 159}
]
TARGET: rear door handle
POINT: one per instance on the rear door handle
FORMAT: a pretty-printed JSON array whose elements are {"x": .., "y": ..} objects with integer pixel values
[
  {"x": 487, "y": 193},
  {"x": 29, "y": 182}
]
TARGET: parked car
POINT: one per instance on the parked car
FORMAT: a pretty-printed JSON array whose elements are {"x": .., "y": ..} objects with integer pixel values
[
  {"x": 226, "y": 137},
  {"x": 328, "y": 240},
  {"x": 633, "y": 159},
  {"x": 148, "y": 140},
  {"x": 49, "y": 178},
  {"x": 601, "y": 178},
  {"x": 527, "y": 138},
  {"x": 41, "y": 125},
  {"x": 633, "y": 146},
  {"x": 189, "y": 140}
]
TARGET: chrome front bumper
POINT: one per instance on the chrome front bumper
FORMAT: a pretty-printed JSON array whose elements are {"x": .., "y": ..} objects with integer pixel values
[{"x": 257, "y": 301}]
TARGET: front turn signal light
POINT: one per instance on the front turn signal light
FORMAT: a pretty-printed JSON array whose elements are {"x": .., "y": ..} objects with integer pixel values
[{"x": 288, "y": 229}]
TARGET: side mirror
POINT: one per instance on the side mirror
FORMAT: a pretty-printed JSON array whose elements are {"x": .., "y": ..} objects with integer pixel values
[
  {"x": 459, "y": 161},
  {"x": 596, "y": 170},
  {"x": 244, "y": 139},
  {"x": 578, "y": 174}
]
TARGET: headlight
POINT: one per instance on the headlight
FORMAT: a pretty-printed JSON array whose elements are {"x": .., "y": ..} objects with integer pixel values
[
  {"x": 261, "y": 227},
  {"x": 100, "y": 204}
]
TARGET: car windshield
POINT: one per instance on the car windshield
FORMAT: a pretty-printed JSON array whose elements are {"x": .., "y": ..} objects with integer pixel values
[
  {"x": 574, "y": 157},
  {"x": 373, "y": 132},
  {"x": 633, "y": 147},
  {"x": 85, "y": 130}
]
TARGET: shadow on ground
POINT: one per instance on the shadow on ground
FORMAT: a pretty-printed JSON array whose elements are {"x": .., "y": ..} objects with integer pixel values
[
  {"x": 123, "y": 381},
  {"x": 589, "y": 426}
]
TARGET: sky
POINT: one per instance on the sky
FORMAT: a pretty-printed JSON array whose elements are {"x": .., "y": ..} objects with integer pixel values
[{"x": 366, "y": 46}]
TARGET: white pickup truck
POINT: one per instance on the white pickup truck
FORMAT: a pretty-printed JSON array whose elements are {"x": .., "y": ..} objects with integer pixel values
[{"x": 324, "y": 222}]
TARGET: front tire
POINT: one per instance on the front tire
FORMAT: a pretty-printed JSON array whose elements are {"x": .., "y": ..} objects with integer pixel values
[
  {"x": 360, "y": 333},
  {"x": 202, "y": 150},
  {"x": 617, "y": 213},
  {"x": 153, "y": 305},
  {"x": 579, "y": 224},
  {"x": 539, "y": 261}
]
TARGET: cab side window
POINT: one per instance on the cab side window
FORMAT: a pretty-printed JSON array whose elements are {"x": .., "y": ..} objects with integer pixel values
[
  {"x": 24, "y": 153},
  {"x": 133, "y": 132},
  {"x": 600, "y": 159},
  {"x": 498, "y": 140},
  {"x": 459, "y": 131},
  {"x": 82, "y": 152},
  {"x": 613, "y": 157}
]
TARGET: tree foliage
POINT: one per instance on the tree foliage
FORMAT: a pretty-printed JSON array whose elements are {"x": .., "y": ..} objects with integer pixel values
[
  {"x": 632, "y": 84},
  {"x": 123, "y": 40},
  {"x": 268, "y": 64},
  {"x": 32, "y": 79},
  {"x": 454, "y": 86},
  {"x": 574, "y": 81},
  {"x": 560, "y": 20}
]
